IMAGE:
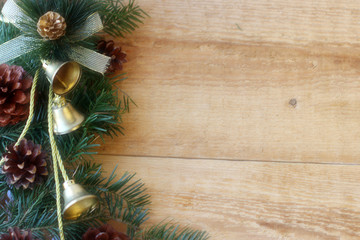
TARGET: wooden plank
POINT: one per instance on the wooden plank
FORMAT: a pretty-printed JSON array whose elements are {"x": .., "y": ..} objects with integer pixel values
[
  {"x": 206, "y": 89},
  {"x": 216, "y": 101},
  {"x": 282, "y": 21},
  {"x": 251, "y": 200}
]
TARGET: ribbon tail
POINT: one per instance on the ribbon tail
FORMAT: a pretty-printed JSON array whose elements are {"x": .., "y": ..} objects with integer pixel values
[
  {"x": 15, "y": 48},
  {"x": 90, "y": 59}
]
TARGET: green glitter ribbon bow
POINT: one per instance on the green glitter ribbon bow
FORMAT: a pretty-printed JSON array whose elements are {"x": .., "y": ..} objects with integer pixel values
[{"x": 21, "y": 45}]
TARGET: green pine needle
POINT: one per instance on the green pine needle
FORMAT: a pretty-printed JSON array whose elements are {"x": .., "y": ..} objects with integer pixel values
[
  {"x": 170, "y": 231},
  {"x": 120, "y": 18}
]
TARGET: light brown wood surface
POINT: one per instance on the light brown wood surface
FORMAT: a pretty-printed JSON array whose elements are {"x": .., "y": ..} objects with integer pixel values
[{"x": 248, "y": 117}]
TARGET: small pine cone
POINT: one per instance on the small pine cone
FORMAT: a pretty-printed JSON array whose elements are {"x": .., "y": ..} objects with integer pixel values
[
  {"x": 25, "y": 165},
  {"x": 117, "y": 56},
  {"x": 105, "y": 232},
  {"x": 51, "y": 26},
  {"x": 16, "y": 234},
  {"x": 15, "y": 87}
]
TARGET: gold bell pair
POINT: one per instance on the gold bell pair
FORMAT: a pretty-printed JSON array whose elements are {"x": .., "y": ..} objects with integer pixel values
[{"x": 64, "y": 76}]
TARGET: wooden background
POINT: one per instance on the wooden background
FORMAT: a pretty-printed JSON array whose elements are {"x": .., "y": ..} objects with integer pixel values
[{"x": 248, "y": 117}]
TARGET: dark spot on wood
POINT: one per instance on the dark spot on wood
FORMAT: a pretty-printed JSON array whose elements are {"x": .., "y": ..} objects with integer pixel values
[{"x": 293, "y": 102}]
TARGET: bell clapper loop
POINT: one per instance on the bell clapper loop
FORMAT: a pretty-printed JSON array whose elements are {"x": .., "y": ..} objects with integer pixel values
[{"x": 59, "y": 101}]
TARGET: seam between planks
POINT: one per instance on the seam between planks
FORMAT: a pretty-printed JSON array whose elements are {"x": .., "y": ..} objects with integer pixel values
[{"x": 233, "y": 160}]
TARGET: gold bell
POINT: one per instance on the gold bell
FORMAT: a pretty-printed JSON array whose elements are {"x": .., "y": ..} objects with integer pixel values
[
  {"x": 66, "y": 118},
  {"x": 63, "y": 76},
  {"x": 77, "y": 200}
]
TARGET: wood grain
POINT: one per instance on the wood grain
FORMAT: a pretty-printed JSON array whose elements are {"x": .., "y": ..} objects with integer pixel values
[
  {"x": 248, "y": 121},
  {"x": 251, "y": 200},
  {"x": 206, "y": 89}
]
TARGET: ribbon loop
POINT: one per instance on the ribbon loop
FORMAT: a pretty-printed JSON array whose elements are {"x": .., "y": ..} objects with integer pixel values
[{"x": 14, "y": 14}]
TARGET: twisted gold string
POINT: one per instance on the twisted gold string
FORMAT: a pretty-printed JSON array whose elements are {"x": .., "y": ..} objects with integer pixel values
[
  {"x": 31, "y": 112},
  {"x": 55, "y": 160},
  {"x": 61, "y": 164}
]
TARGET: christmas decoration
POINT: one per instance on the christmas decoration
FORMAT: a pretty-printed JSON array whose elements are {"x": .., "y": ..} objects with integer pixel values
[
  {"x": 63, "y": 76},
  {"x": 117, "y": 56},
  {"x": 16, "y": 234},
  {"x": 25, "y": 165},
  {"x": 15, "y": 86},
  {"x": 51, "y": 25},
  {"x": 59, "y": 42},
  {"x": 77, "y": 200},
  {"x": 104, "y": 232},
  {"x": 66, "y": 118}
]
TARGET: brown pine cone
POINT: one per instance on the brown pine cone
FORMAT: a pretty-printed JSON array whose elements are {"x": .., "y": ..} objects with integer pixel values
[
  {"x": 25, "y": 165},
  {"x": 117, "y": 56},
  {"x": 15, "y": 87},
  {"x": 16, "y": 234},
  {"x": 105, "y": 232},
  {"x": 51, "y": 26}
]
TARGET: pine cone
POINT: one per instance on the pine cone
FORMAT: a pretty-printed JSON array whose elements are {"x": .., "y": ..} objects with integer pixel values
[
  {"x": 16, "y": 234},
  {"x": 105, "y": 232},
  {"x": 25, "y": 165},
  {"x": 51, "y": 26},
  {"x": 117, "y": 56},
  {"x": 15, "y": 87}
]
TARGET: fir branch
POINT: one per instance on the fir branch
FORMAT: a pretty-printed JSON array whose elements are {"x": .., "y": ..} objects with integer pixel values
[
  {"x": 119, "y": 18},
  {"x": 170, "y": 231},
  {"x": 29, "y": 208},
  {"x": 10, "y": 134},
  {"x": 125, "y": 189},
  {"x": 123, "y": 200}
]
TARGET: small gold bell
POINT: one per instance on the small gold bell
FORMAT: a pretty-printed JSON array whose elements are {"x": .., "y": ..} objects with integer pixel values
[
  {"x": 63, "y": 76},
  {"x": 66, "y": 118},
  {"x": 77, "y": 200}
]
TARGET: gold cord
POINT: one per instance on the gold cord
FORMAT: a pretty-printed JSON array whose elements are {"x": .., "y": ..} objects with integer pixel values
[
  {"x": 31, "y": 112},
  {"x": 54, "y": 157}
]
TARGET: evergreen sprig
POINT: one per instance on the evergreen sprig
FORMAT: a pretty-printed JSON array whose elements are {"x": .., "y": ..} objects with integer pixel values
[
  {"x": 121, "y": 18},
  {"x": 170, "y": 231}
]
